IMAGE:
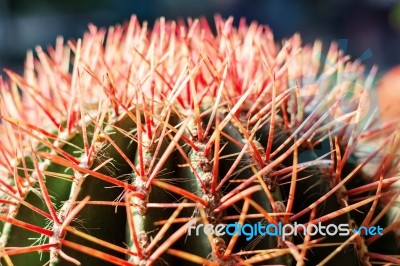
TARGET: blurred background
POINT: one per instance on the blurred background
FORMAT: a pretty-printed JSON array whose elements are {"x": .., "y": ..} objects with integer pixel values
[{"x": 366, "y": 29}]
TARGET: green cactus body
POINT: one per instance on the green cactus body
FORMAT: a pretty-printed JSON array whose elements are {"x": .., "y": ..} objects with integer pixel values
[{"x": 152, "y": 132}]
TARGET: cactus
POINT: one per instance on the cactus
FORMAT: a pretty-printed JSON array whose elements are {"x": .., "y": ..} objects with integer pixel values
[{"x": 115, "y": 145}]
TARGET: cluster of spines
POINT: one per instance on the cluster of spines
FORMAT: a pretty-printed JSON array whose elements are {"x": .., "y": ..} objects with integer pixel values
[{"x": 130, "y": 81}]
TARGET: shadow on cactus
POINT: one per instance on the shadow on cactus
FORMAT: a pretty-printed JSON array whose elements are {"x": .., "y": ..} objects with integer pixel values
[{"x": 125, "y": 140}]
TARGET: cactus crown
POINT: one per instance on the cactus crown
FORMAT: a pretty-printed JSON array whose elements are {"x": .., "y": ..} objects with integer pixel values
[{"x": 122, "y": 138}]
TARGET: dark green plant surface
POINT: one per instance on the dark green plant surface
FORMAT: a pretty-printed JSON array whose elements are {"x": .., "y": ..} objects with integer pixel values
[{"x": 122, "y": 139}]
